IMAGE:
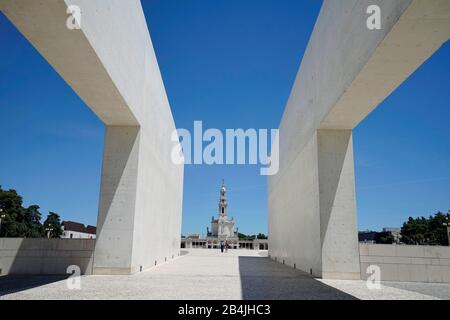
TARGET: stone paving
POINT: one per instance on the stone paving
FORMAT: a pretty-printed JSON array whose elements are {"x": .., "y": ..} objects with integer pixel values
[{"x": 209, "y": 275}]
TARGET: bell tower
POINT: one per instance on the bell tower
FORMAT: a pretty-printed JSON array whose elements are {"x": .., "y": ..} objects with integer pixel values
[
  {"x": 223, "y": 201},
  {"x": 222, "y": 228}
]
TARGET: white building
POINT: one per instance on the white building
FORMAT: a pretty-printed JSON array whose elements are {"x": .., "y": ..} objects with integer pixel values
[
  {"x": 395, "y": 232},
  {"x": 75, "y": 230},
  {"x": 222, "y": 229}
]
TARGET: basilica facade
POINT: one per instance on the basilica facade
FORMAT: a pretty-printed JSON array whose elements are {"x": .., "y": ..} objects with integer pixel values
[
  {"x": 222, "y": 226},
  {"x": 223, "y": 229}
]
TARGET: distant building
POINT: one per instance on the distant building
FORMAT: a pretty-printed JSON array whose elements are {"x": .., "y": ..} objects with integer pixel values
[
  {"x": 367, "y": 236},
  {"x": 379, "y": 237},
  {"x": 395, "y": 232},
  {"x": 76, "y": 230},
  {"x": 222, "y": 229}
]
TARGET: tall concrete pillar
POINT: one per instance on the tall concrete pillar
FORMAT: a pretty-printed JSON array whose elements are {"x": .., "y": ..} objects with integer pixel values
[
  {"x": 338, "y": 227},
  {"x": 117, "y": 204},
  {"x": 312, "y": 220}
]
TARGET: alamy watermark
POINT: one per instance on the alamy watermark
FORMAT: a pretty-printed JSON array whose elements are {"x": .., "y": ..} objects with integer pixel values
[
  {"x": 374, "y": 280},
  {"x": 236, "y": 146},
  {"x": 189, "y": 149},
  {"x": 73, "y": 282},
  {"x": 374, "y": 20},
  {"x": 74, "y": 20}
]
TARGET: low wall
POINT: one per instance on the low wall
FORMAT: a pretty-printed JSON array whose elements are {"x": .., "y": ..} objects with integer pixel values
[
  {"x": 407, "y": 263},
  {"x": 45, "y": 256},
  {"x": 53, "y": 256}
]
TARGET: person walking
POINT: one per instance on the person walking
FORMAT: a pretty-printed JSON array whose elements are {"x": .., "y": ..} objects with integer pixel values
[
  {"x": 222, "y": 245},
  {"x": 226, "y": 246}
]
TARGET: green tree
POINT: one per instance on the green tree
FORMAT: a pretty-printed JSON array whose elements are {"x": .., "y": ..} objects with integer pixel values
[
  {"x": 423, "y": 231},
  {"x": 23, "y": 222},
  {"x": 385, "y": 238},
  {"x": 11, "y": 205},
  {"x": 261, "y": 236},
  {"x": 33, "y": 222},
  {"x": 53, "y": 225},
  {"x": 245, "y": 237},
  {"x": 438, "y": 232}
]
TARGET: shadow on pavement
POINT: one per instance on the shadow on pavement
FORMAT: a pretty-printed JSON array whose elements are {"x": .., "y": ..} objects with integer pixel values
[
  {"x": 436, "y": 290},
  {"x": 264, "y": 279},
  {"x": 15, "y": 283}
]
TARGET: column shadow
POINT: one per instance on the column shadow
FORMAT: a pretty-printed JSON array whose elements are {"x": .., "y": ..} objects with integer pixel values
[
  {"x": 265, "y": 279},
  {"x": 15, "y": 283}
]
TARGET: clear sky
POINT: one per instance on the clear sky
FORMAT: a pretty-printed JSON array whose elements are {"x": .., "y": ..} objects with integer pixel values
[{"x": 231, "y": 64}]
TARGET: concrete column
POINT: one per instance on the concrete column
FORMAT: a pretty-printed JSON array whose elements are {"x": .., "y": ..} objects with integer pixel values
[
  {"x": 117, "y": 207},
  {"x": 338, "y": 227}
]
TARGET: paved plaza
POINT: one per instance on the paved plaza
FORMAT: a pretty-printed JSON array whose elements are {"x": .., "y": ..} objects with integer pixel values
[{"x": 209, "y": 275}]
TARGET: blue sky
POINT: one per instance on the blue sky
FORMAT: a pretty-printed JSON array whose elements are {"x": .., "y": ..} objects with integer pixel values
[{"x": 231, "y": 64}]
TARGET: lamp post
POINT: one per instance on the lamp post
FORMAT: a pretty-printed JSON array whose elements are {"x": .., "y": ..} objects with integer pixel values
[
  {"x": 447, "y": 224},
  {"x": 2, "y": 216},
  {"x": 49, "y": 230}
]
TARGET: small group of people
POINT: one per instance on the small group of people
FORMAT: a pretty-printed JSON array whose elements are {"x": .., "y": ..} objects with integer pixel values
[{"x": 224, "y": 246}]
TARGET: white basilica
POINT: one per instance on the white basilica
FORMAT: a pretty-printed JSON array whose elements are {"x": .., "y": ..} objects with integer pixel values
[{"x": 222, "y": 228}]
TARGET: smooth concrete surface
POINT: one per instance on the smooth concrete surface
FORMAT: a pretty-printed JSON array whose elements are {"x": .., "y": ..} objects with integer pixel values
[
  {"x": 346, "y": 72},
  {"x": 202, "y": 274},
  {"x": 111, "y": 64},
  {"x": 407, "y": 263},
  {"x": 116, "y": 215},
  {"x": 19, "y": 256},
  {"x": 294, "y": 226},
  {"x": 340, "y": 256},
  {"x": 390, "y": 290}
]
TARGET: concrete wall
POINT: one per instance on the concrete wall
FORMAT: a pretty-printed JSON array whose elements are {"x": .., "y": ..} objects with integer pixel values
[
  {"x": 294, "y": 226},
  {"x": 111, "y": 64},
  {"x": 45, "y": 256},
  {"x": 347, "y": 70},
  {"x": 407, "y": 263}
]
